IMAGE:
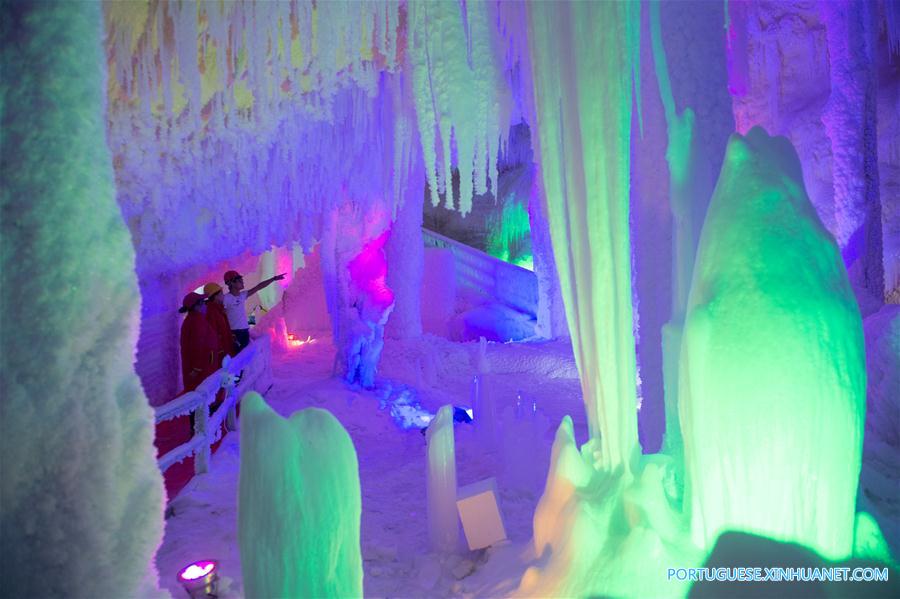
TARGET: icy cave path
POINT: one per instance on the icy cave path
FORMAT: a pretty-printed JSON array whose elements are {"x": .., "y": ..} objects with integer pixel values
[{"x": 397, "y": 561}]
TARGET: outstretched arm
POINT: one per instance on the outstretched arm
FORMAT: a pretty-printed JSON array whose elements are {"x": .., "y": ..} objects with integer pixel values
[{"x": 264, "y": 284}]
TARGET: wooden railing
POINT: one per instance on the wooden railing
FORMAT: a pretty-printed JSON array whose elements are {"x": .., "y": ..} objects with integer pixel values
[
  {"x": 254, "y": 365},
  {"x": 506, "y": 283}
]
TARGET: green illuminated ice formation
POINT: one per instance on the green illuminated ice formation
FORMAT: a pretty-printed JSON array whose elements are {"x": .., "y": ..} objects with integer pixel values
[
  {"x": 299, "y": 504},
  {"x": 772, "y": 383}
]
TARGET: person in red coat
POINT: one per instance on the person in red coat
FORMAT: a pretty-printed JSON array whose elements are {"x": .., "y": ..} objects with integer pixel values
[
  {"x": 199, "y": 345},
  {"x": 218, "y": 320}
]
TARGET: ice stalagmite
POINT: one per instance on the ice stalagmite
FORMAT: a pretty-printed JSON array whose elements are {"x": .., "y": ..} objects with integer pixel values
[
  {"x": 582, "y": 99},
  {"x": 772, "y": 382},
  {"x": 81, "y": 497},
  {"x": 443, "y": 522},
  {"x": 299, "y": 504}
]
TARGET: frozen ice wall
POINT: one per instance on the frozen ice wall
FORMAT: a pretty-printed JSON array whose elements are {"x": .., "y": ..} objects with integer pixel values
[
  {"x": 823, "y": 74},
  {"x": 583, "y": 101},
  {"x": 81, "y": 498},
  {"x": 299, "y": 504},
  {"x": 236, "y": 127},
  {"x": 772, "y": 382}
]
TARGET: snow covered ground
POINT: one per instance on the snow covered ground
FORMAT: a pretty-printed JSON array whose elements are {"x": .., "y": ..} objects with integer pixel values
[
  {"x": 397, "y": 559},
  {"x": 392, "y": 462}
]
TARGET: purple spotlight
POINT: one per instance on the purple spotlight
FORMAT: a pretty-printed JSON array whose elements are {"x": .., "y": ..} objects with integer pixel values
[{"x": 200, "y": 579}]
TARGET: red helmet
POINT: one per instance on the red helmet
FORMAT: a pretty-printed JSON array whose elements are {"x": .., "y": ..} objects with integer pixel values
[
  {"x": 191, "y": 300},
  {"x": 230, "y": 276}
]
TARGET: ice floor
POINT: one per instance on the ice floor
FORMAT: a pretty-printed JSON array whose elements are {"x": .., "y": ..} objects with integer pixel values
[
  {"x": 396, "y": 554},
  {"x": 397, "y": 559}
]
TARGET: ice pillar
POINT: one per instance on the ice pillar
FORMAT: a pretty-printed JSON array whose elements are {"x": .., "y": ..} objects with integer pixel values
[
  {"x": 583, "y": 101},
  {"x": 772, "y": 379},
  {"x": 406, "y": 255},
  {"x": 81, "y": 497},
  {"x": 443, "y": 521},
  {"x": 299, "y": 504}
]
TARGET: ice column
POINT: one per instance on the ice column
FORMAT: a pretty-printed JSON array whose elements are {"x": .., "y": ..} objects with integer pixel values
[
  {"x": 81, "y": 497},
  {"x": 582, "y": 99},
  {"x": 405, "y": 249},
  {"x": 299, "y": 504},
  {"x": 443, "y": 521},
  {"x": 772, "y": 380}
]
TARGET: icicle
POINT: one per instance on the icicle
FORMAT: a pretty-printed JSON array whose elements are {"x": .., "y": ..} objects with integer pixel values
[{"x": 456, "y": 97}]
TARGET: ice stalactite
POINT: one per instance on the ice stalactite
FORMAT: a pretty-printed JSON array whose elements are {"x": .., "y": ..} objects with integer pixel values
[
  {"x": 443, "y": 521},
  {"x": 81, "y": 497},
  {"x": 583, "y": 104},
  {"x": 241, "y": 121},
  {"x": 299, "y": 504},
  {"x": 455, "y": 85},
  {"x": 772, "y": 379}
]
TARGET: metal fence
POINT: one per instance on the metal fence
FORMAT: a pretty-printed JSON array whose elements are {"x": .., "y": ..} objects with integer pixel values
[{"x": 506, "y": 283}]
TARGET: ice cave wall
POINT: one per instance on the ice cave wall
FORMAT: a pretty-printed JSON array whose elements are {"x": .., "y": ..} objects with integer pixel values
[
  {"x": 825, "y": 75},
  {"x": 235, "y": 128},
  {"x": 695, "y": 79}
]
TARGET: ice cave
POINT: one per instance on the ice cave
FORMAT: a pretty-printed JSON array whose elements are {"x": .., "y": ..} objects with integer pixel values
[{"x": 449, "y": 298}]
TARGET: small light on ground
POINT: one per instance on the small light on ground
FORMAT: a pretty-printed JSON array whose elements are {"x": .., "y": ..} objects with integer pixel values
[
  {"x": 292, "y": 339},
  {"x": 200, "y": 579}
]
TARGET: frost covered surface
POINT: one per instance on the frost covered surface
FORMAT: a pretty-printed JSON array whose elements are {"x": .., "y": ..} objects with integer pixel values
[
  {"x": 880, "y": 479},
  {"x": 596, "y": 531},
  {"x": 81, "y": 496},
  {"x": 772, "y": 382},
  {"x": 298, "y": 504},
  {"x": 397, "y": 557}
]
